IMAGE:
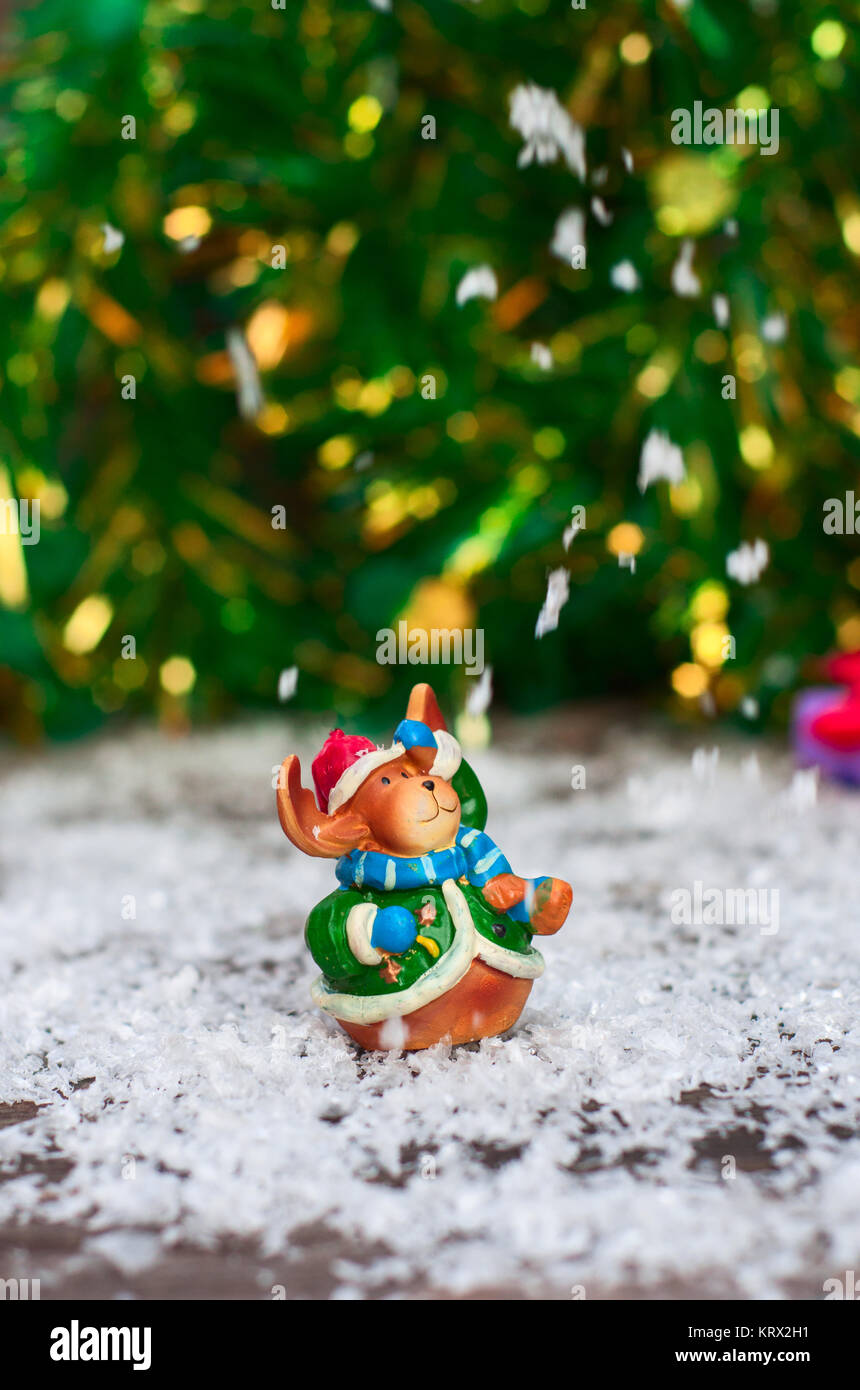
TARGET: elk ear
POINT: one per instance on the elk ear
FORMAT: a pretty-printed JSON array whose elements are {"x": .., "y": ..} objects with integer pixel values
[
  {"x": 325, "y": 837},
  {"x": 424, "y": 707}
]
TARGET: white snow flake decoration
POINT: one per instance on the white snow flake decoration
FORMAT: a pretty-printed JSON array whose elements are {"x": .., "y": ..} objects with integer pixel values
[
  {"x": 774, "y": 328},
  {"x": 557, "y": 594},
  {"x": 685, "y": 281},
  {"x": 803, "y": 791},
  {"x": 748, "y": 562},
  {"x": 547, "y": 129},
  {"x": 601, "y": 212},
  {"x": 568, "y": 234},
  {"x": 188, "y": 244},
  {"x": 113, "y": 238},
  {"x": 624, "y": 276},
  {"x": 541, "y": 355},
  {"x": 287, "y": 682},
  {"x": 249, "y": 392},
  {"x": 478, "y": 283},
  {"x": 383, "y": 5},
  {"x": 480, "y": 693},
  {"x": 749, "y": 707},
  {"x": 627, "y": 160},
  {"x": 660, "y": 459},
  {"x": 720, "y": 306}
]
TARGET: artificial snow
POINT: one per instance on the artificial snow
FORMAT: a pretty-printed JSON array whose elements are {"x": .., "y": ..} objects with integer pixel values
[{"x": 155, "y": 1009}]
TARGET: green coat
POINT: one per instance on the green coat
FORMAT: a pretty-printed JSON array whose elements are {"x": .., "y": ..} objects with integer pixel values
[{"x": 464, "y": 926}]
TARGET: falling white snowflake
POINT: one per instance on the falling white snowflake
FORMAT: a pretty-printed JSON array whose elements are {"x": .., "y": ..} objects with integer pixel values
[
  {"x": 627, "y": 160},
  {"x": 541, "y": 355},
  {"x": 599, "y": 176},
  {"x": 601, "y": 212},
  {"x": 751, "y": 768},
  {"x": 803, "y": 791},
  {"x": 730, "y": 227},
  {"x": 570, "y": 532},
  {"x": 624, "y": 276},
  {"x": 774, "y": 328},
  {"x": 113, "y": 238},
  {"x": 685, "y": 281},
  {"x": 749, "y": 707},
  {"x": 188, "y": 244},
  {"x": 287, "y": 683},
  {"x": 720, "y": 306},
  {"x": 547, "y": 128},
  {"x": 478, "y": 283},
  {"x": 249, "y": 392},
  {"x": 557, "y": 594},
  {"x": 660, "y": 459},
  {"x": 383, "y": 5},
  {"x": 748, "y": 562},
  {"x": 568, "y": 234},
  {"x": 363, "y": 460},
  {"x": 480, "y": 693},
  {"x": 704, "y": 763}
]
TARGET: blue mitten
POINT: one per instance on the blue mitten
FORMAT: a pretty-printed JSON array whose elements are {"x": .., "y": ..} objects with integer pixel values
[
  {"x": 413, "y": 734},
  {"x": 394, "y": 930}
]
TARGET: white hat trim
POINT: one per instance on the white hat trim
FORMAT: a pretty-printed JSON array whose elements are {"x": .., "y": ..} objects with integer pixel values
[
  {"x": 352, "y": 777},
  {"x": 449, "y": 757}
]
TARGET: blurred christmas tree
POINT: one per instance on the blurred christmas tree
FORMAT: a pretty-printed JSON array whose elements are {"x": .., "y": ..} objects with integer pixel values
[{"x": 191, "y": 181}]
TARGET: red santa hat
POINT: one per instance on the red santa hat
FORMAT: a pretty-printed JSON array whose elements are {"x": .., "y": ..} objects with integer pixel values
[{"x": 342, "y": 764}]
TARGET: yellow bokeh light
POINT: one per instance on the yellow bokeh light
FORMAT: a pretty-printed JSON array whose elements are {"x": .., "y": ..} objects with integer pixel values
[
  {"x": 374, "y": 398},
  {"x": 851, "y": 232},
  {"x": 828, "y": 38},
  {"x": 635, "y": 48},
  {"x": 88, "y": 624},
  {"x": 192, "y": 220},
  {"x": 848, "y": 633},
  {"x": 177, "y": 675},
  {"x": 625, "y": 539},
  {"x": 549, "y": 442},
  {"x": 710, "y": 602},
  {"x": 268, "y": 333},
  {"x": 52, "y": 298},
  {"x": 689, "y": 680},
  {"x": 364, "y": 114},
  {"x": 13, "y": 572},
  {"x": 273, "y": 419},
  {"x": 179, "y": 117},
  {"x": 342, "y": 238},
  {"x": 691, "y": 193},
  {"x": 653, "y": 381},
  {"x": 462, "y": 427},
  {"x": 70, "y": 105},
  {"x": 337, "y": 451},
  {"x": 685, "y": 498},
  {"x": 847, "y": 383},
  {"x": 756, "y": 446},
  {"x": 708, "y": 642}
]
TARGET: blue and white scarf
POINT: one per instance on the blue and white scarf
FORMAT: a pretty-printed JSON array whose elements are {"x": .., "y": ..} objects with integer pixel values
[{"x": 473, "y": 856}]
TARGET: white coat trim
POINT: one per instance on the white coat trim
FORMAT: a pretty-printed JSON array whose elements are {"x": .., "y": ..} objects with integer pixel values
[
  {"x": 359, "y": 929},
  {"x": 442, "y": 976},
  {"x": 527, "y": 966}
]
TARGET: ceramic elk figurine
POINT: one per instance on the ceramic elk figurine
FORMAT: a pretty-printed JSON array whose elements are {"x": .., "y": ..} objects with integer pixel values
[{"x": 429, "y": 936}]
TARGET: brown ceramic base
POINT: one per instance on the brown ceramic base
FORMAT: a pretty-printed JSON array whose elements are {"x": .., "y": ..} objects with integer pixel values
[{"x": 481, "y": 1005}]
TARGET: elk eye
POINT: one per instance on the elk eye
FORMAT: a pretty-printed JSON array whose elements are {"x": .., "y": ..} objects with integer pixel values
[
  {"x": 404, "y": 774},
  {"x": 385, "y": 781}
]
